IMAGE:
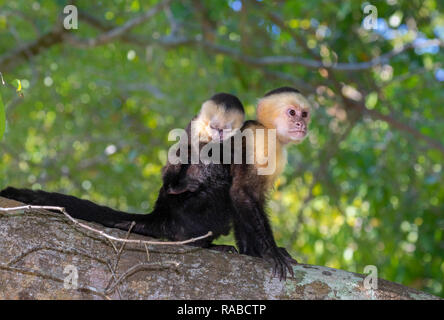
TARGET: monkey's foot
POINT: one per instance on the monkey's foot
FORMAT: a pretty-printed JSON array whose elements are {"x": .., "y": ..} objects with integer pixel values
[
  {"x": 287, "y": 256},
  {"x": 223, "y": 248},
  {"x": 282, "y": 262}
]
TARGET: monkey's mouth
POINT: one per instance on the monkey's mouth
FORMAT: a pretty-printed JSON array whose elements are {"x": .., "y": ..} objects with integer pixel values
[
  {"x": 297, "y": 134},
  {"x": 222, "y": 135}
]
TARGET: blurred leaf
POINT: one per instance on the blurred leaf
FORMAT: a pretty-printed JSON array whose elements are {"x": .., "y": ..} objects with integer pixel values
[
  {"x": 18, "y": 85},
  {"x": 2, "y": 118}
]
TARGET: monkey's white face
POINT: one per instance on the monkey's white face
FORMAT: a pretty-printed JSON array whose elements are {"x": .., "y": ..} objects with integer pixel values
[
  {"x": 218, "y": 124},
  {"x": 220, "y": 130},
  {"x": 292, "y": 123},
  {"x": 288, "y": 113}
]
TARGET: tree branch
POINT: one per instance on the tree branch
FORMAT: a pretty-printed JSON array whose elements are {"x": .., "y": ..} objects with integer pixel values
[
  {"x": 117, "y": 32},
  {"x": 402, "y": 126},
  {"x": 258, "y": 61},
  {"x": 40, "y": 257},
  {"x": 31, "y": 49}
]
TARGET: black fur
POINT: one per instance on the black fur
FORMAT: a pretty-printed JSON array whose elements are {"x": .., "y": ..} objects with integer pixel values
[
  {"x": 229, "y": 101},
  {"x": 281, "y": 90},
  {"x": 188, "y": 214},
  {"x": 252, "y": 230},
  {"x": 175, "y": 217}
]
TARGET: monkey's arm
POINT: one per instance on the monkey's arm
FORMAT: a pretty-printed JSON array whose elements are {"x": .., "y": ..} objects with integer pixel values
[{"x": 253, "y": 233}]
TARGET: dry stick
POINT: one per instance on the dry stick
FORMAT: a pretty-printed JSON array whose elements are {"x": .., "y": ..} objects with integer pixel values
[
  {"x": 113, "y": 276},
  {"x": 147, "y": 253},
  {"x": 119, "y": 253},
  {"x": 104, "y": 234},
  {"x": 110, "y": 238},
  {"x": 141, "y": 267},
  {"x": 65, "y": 251},
  {"x": 123, "y": 29},
  {"x": 37, "y": 273},
  {"x": 114, "y": 246},
  {"x": 61, "y": 250}
]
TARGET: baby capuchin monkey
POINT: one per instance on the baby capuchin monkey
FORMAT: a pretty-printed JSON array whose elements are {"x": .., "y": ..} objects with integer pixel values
[
  {"x": 219, "y": 119},
  {"x": 287, "y": 112}
]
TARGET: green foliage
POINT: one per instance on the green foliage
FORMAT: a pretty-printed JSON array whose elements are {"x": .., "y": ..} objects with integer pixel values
[
  {"x": 2, "y": 118},
  {"x": 18, "y": 85},
  {"x": 360, "y": 191}
]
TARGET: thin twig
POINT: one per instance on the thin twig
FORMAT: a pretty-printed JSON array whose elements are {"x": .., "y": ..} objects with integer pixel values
[
  {"x": 48, "y": 248},
  {"x": 123, "y": 29},
  {"x": 123, "y": 244},
  {"x": 101, "y": 232},
  {"x": 141, "y": 267},
  {"x": 119, "y": 253},
  {"x": 147, "y": 253},
  {"x": 37, "y": 273}
]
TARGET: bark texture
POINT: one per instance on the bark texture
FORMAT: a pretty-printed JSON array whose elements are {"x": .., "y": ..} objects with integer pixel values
[{"x": 41, "y": 251}]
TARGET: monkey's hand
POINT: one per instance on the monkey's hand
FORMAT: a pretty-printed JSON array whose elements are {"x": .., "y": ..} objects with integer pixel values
[{"x": 281, "y": 262}]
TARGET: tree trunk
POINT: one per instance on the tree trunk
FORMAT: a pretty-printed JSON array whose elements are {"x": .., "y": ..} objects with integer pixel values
[{"x": 42, "y": 252}]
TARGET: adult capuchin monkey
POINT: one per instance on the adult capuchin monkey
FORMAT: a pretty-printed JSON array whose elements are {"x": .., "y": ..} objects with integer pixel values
[
  {"x": 287, "y": 112},
  {"x": 194, "y": 198}
]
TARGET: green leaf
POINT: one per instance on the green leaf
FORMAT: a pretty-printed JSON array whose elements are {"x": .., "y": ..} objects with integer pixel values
[{"x": 18, "y": 85}]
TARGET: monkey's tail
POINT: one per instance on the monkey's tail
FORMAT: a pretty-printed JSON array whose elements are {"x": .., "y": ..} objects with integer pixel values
[{"x": 146, "y": 224}]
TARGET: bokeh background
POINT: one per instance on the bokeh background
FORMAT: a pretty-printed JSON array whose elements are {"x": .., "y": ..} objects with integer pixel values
[{"x": 366, "y": 188}]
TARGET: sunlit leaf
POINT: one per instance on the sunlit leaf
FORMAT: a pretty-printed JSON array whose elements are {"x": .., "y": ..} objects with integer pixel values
[{"x": 18, "y": 85}]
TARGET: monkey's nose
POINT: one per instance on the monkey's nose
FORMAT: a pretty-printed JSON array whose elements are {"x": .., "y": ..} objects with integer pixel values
[{"x": 299, "y": 125}]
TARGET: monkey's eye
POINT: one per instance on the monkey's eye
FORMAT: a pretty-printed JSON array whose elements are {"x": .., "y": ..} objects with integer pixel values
[
  {"x": 304, "y": 114},
  {"x": 292, "y": 112}
]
